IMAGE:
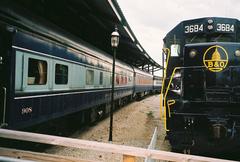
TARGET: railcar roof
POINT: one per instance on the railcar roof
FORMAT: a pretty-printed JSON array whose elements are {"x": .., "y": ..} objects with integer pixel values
[
  {"x": 93, "y": 21},
  {"x": 142, "y": 72}
]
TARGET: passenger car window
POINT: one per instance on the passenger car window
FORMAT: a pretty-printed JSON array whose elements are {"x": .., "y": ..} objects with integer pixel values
[
  {"x": 37, "y": 72},
  {"x": 61, "y": 74},
  {"x": 129, "y": 79},
  {"x": 89, "y": 77},
  {"x": 101, "y": 78},
  {"x": 117, "y": 79}
]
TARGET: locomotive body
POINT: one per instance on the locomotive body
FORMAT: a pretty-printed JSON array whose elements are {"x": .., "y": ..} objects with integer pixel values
[{"x": 202, "y": 98}]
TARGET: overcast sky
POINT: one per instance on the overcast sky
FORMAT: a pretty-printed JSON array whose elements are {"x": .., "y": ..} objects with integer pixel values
[{"x": 150, "y": 20}]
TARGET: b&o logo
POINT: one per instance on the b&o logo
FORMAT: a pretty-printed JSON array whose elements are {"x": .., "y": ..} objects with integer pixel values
[{"x": 215, "y": 58}]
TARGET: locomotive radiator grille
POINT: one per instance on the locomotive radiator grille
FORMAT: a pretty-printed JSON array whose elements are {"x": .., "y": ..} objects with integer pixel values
[{"x": 217, "y": 97}]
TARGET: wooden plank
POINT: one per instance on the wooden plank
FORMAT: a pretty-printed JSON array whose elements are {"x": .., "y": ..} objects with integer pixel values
[
  {"x": 34, "y": 156},
  {"x": 10, "y": 159},
  {"x": 128, "y": 158},
  {"x": 103, "y": 147}
]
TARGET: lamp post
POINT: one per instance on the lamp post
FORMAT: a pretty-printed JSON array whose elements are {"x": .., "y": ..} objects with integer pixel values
[{"x": 114, "y": 44}]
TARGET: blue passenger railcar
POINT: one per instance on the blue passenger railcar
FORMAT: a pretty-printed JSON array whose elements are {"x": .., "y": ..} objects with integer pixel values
[
  {"x": 47, "y": 73},
  {"x": 43, "y": 79}
]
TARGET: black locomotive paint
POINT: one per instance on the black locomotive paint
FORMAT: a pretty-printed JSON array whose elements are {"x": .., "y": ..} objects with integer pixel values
[{"x": 206, "y": 115}]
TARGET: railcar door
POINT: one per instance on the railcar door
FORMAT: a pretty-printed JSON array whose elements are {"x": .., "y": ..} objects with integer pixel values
[
  {"x": 3, "y": 91},
  {"x": 4, "y": 72}
]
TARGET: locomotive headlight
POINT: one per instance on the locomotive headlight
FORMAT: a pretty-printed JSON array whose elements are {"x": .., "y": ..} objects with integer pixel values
[
  {"x": 210, "y": 27},
  {"x": 237, "y": 53},
  {"x": 210, "y": 21},
  {"x": 192, "y": 53}
]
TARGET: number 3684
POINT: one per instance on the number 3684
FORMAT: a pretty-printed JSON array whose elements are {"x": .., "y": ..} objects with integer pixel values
[
  {"x": 194, "y": 28},
  {"x": 225, "y": 27}
]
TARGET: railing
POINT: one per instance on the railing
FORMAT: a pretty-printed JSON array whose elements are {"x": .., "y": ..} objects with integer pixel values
[
  {"x": 129, "y": 153},
  {"x": 152, "y": 144}
]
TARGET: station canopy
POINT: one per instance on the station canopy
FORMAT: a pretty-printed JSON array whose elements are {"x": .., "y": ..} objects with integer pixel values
[{"x": 92, "y": 21}]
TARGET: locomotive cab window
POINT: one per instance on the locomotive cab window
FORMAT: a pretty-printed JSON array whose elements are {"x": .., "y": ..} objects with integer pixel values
[
  {"x": 175, "y": 50},
  {"x": 37, "y": 72},
  {"x": 61, "y": 74}
]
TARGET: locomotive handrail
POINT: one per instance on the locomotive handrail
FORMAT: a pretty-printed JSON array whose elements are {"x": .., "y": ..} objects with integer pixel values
[
  {"x": 162, "y": 106},
  {"x": 169, "y": 103},
  {"x": 166, "y": 92},
  {"x": 165, "y": 97}
]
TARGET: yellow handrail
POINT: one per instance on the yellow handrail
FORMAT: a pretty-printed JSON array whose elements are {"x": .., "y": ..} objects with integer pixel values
[
  {"x": 169, "y": 103},
  {"x": 165, "y": 96},
  {"x": 162, "y": 106}
]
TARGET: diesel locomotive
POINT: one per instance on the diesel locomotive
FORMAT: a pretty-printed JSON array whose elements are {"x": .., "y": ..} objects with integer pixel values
[
  {"x": 201, "y": 93},
  {"x": 48, "y": 73}
]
